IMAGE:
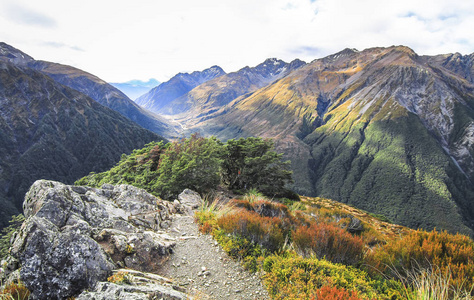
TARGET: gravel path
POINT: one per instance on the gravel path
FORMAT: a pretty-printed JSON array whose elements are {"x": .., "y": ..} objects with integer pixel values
[{"x": 202, "y": 268}]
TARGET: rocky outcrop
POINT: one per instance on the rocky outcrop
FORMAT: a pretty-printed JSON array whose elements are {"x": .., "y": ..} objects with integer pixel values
[
  {"x": 189, "y": 200},
  {"x": 74, "y": 236},
  {"x": 132, "y": 285}
]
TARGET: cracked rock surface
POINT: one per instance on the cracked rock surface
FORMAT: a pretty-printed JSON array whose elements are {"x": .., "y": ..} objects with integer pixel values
[{"x": 73, "y": 237}]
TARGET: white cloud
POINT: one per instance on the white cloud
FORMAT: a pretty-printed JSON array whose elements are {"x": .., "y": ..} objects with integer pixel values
[
  {"x": 25, "y": 16},
  {"x": 123, "y": 40}
]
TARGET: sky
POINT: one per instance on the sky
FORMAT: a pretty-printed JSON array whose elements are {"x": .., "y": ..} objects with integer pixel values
[{"x": 123, "y": 40}]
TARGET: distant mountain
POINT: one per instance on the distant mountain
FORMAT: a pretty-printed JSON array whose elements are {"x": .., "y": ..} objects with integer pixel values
[
  {"x": 462, "y": 65},
  {"x": 51, "y": 131},
  {"x": 383, "y": 129},
  {"x": 215, "y": 93},
  {"x": 158, "y": 100},
  {"x": 135, "y": 88},
  {"x": 106, "y": 95},
  {"x": 93, "y": 87},
  {"x": 209, "y": 97},
  {"x": 218, "y": 92}
]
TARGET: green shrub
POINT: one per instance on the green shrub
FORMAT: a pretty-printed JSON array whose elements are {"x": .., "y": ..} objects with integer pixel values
[
  {"x": 251, "y": 164},
  {"x": 7, "y": 233},
  {"x": 200, "y": 164},
  {"x": 294, "y": 277},
  {"x": 192, "y": 163},
  {"x": 249, "y": 253}
]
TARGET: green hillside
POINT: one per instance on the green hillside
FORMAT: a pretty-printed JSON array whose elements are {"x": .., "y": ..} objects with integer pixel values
[{"x": 383, "y": 129}]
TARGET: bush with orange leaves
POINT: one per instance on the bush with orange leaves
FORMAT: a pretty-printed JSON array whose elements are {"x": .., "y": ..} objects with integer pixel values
[
  {"x": 335, "y": 293},
  {"x": 268, "y": 232},
  {"x": 420, "y": 250},
  {"x": 329, "y": 242}
]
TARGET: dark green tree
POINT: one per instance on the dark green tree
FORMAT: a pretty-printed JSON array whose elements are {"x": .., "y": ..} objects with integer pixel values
[
  {"x": 191, "y": 163},
  {"x": 200, "y": 164},
  {"x": 251, "y": 163}
]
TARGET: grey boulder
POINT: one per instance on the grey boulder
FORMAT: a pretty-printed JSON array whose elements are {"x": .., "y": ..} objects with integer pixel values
[{"x": 73, "y": 237}]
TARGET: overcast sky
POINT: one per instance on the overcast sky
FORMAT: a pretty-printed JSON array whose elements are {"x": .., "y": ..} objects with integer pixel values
[{"x": 139, "y": 39}]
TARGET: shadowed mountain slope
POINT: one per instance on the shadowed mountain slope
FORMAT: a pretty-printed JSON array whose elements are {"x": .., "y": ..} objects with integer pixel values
[
  {"x": 51, "y": 131},
  {"x": 93, "y": 87},
  {"x": 106, "y": 95}
]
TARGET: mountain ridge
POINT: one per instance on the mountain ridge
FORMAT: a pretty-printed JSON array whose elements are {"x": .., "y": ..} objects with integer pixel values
[
  {"x": 159, "y": 97},
  {"x": 135, "y": 88},
  {"x": 209, "y": 97},
  {"x": 327, "y": 116},
  {"x": 48, "y": 130},
  {"x": 93, "y": 87},
  {"x": 106, "y": 95}
]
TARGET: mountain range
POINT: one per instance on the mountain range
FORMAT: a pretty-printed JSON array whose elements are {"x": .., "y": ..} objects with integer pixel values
[
  {"x": 135, "y": 88},
  {"x": 383, "y": 129},
  {"x": 50, "y": 130},
  {"x": 94, "y": 87},
  {"x": 158, "y": 99}
]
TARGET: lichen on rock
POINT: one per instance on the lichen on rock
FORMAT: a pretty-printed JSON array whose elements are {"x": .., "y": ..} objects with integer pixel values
[{"x": 73, "y": 237}]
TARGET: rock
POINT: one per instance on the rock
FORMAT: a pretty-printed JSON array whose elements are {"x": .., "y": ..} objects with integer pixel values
[
  {"x": 55, "y": 264},
  {"x": 137, "y": 286},
  {"x": 355, "y": 225},
  {"x": 107, "y": 186},
  {"x": 143, "y": 251},
  {"x": 73, "y": 237},
  {"x": 190, "y": 200},
  {"x": 108, "y": 290}
]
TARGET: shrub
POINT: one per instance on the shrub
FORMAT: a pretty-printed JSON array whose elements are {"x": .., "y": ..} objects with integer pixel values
[
  {"x": 206, "y": 216},
  {"x": 335, "y": 293},
  {"x": 200, "y": 164},
  {"x": 15, "y": 291},
  {"x": 330, "y": 242},
  {"x": 421, "y": 250},
  {"x": 190, "y": 163},
  {"x": 267, "y": 232},
  {"x": 121, "y": 277},
  {"x": 7, "y": 233},
  {"x": 251, "y": 164},
  {"x": 263, "y": 207},
  {"x": 237, "y": 246},
  {"x": 293, "y": 277}
]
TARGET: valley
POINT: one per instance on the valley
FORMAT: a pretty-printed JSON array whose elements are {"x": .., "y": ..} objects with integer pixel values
[{"x": 383, "y": 129}]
